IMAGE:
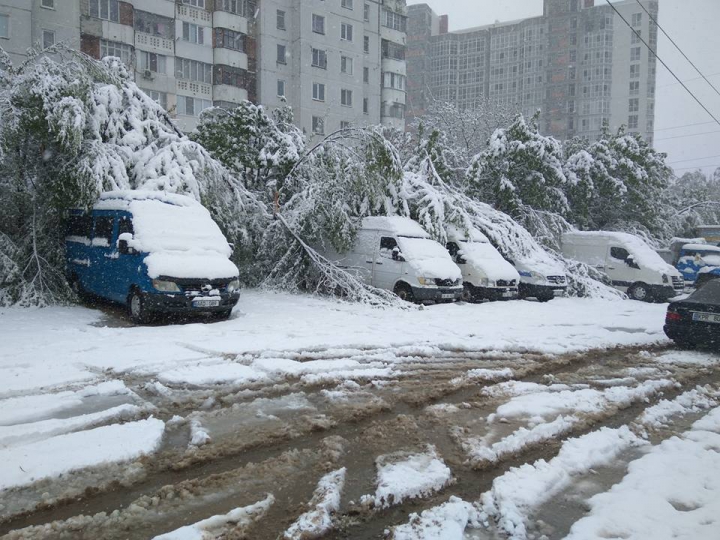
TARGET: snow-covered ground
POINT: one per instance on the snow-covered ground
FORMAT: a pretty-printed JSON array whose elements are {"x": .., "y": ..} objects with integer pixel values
[{"x": 83, "y": 391}]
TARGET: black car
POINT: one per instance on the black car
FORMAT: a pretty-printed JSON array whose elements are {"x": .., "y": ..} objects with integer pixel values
[{"x": 696, "y": 320}]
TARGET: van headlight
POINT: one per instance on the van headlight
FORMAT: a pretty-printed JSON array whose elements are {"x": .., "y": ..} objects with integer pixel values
[
  {"x": 426, "y": 281},
  {"x": 233, "y": 286},
  {"x": 165, "y": 286}
]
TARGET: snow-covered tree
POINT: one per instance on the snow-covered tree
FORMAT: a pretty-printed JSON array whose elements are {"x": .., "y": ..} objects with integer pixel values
[
  {"x": 520, "y": 171},
  {"x": 691, "y": 200}
]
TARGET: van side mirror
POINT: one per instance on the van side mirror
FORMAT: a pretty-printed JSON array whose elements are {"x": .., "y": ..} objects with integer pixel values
[
  {"x": 123, "y": 244},
  {"x": 232, "y": 247},
  {"x": 397, "y": 256},
  {"x": 630, "y": 261}
]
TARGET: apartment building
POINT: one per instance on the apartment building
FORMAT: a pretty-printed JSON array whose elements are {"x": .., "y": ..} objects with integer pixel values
[
  {"x": 338, "y": 63},
  {"x": 579, "y": 64}
]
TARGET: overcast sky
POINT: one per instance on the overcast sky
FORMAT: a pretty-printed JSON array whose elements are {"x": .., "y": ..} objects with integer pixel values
[{"x": 693, "y": 26}]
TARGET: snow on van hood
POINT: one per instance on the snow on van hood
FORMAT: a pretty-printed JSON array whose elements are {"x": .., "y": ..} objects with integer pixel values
[
  {"x": 486, "y": 260},
  {"x": 180, "y": 237},
  {"x": 428, "y": 258}
]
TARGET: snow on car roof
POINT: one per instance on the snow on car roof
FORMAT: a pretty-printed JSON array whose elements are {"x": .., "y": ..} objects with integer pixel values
[
  {"x": 400, "y": 226},
  {"x": 702, "y": 247},
  {"x": 120, "y": 200},
  {"x": 459, "y": 235}
]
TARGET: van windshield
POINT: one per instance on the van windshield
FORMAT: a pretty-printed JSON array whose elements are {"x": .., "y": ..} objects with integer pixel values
[
  {"x": 480, "y": 250},
  {"x": 421, "y": 248},
  {"x": 163, "y": 227}
]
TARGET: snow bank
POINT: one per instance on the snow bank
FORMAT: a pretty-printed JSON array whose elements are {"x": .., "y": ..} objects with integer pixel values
[
  {"x": 692, "y": 401},
  {"x": 401, "y": 477},
  {"x": 215, "y": 526},
  {"x": 520, "y": 490},
  {"x": 325, "y": 502},
  {"x": 445, "y": 522},
  {"x": 672, "y": 492},
  {"x": 57, "y": 455}
]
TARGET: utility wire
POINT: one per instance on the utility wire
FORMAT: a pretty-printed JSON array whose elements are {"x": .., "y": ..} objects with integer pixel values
[
  {"x": 686, "y": 125},
  {"x": 693, "y": 159},
  {"x": 690, "y": 135},
  {"x": 696, "y": 167},
  {"x": 654, "y": 20},
  {"x": 686, "y": 80},
  {"x": 662, "y": 62}
]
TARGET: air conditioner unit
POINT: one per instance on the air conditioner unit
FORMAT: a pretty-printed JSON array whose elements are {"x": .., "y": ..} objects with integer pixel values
[{"x": 147, "y": 74}]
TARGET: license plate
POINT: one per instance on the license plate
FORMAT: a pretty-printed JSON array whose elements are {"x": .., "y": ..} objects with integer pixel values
[
  {"x": 558, "y": 292},
  {"x": 706, "y": 317},
  {"x": 206, "y": 302},
  {"x": 447, "y": 296},
  {"x": 508, "y": 294}
]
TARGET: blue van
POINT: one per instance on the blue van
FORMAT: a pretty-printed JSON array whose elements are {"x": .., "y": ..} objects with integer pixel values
[
  {"x": 699, "y": 263},
  {"x": 153, "y": 252}
]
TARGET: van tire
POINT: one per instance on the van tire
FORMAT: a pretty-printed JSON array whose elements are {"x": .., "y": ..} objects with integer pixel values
[
  {"x": 640, "y": 292},
  {"x": 404, "y": 292},
  {"x": 545, "y": 297},
  {"x": 136, "y": 308},
  {"x": 222, "y": 315}
]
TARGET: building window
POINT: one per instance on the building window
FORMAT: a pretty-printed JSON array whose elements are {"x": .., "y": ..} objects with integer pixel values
[
  {"x": 192, "y": 70},
  {"x": 281, "y": 54},
  {"x": 366, "y": 12},
  {"x": 4, "y": 26},
  {"x": 635, "y": 38},
  {"x": 318, "y": 24},
  {"x": 156, "y": 25},
  {"x": 393, "y": 20},
  {"x": 346, "y": 65},
  {"x": 636, "y": 19},
  {"x": 366, "y": 44},
  {"x": 319, "y": 58},
  {"x": 634, "y": 88},
  {"x": 366, "y": 105},
  {"x": 366, "y": 75},
  {"x": 635, "y": 54},
  {"x": 346, "y": 32},
  {"x": 318, "y": 125},
  {"x": 633, "y": 121},
  {"x": 193, "y": 33},
  {"x": 157, "y": 63},
  {"x": 345, "y": 125},
  {"x": 635, "y": 71},
  {"x": 281, "y": 88},
  {"x": 158, "y": 97},
  {"x": 113, "y": 48},
  {"x": 190, "y": 106},
  {"x": 280, "y": 19},
  {"x": 230, "y": 76},
  {"x": 318, "y": 90},
  {"x": 394, "y": 110},
  {"x": 50, "y": 4},
  {"x": 238, "y": 7},
  {"x": 347, "y": 4},
  {"x": 48, "y": 38},
  {"x": 229, "y": 39},
  {"x": 393, "y": 50},
  {"x": 634, "y": 105},
  {"x": 393, "y": 80},
  {"x": 346, "y": 98},
  {"x": 105, "y": 9},
  {"x": 195, "y": 3}
]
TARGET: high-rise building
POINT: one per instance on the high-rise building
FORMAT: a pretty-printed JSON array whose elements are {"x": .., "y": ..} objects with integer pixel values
[
  {"x": 579, "y": 64},
  {"x": 338, "y": 63}
]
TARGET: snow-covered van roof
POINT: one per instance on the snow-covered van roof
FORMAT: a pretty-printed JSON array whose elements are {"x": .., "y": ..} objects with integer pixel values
[
  {"x": 459, "y": 235},
  {"x": 395, "y": 224},
  {"x": 702, "y": 247}
]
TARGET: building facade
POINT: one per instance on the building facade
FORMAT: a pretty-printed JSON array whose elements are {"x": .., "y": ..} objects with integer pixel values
[
  {"x": 327, "y": 59},
  {"x": 579, "y": 64}
]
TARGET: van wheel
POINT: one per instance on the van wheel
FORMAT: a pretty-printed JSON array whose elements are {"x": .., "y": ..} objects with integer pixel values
[
  {"x": 468, "y": 294},
  {"x": 640, "y": 292},
  {"x": 545, "y": 297},
  {"x": 136, "y": 308},
  {"x": 221, "y": 315},
  {"x": 404, "y": 292}
]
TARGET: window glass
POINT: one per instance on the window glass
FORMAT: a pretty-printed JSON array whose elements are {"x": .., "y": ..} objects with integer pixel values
[
  {"x": 4, "y": 26},
  {"x": 388, "y": 242},
  {"x": 620, "y": 254},
  {"x": 79, "y": 226},
  {"x": 710, "y": 292},
  {"x": 103, "y": 229},
  {"x": 125, "y": 225}
]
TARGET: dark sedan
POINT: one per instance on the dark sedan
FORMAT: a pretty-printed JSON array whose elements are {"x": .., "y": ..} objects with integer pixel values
[{"x": 696, "y": 320}]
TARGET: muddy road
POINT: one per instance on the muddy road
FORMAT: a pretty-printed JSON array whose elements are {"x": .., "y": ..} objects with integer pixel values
[{"x": 230, "y": 446}]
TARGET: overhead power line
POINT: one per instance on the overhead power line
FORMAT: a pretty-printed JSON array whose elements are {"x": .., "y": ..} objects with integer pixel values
[
  {"x": 678, "y": 47},
  {"x": 690, "y": 135},
  {"x": 686, "y": 125},
  {"x": 686, "y": 80},
  {"x": 693, "y": 159},
  {"x": 696, "y": 167},
  {"x": 663, "y": 62}
]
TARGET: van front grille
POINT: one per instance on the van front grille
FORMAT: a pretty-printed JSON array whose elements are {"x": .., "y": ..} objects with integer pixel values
[
  {"x": 506, "y": 283},
  {"x": 558, "y": 280},
  {"x": 444, "y": 282}
]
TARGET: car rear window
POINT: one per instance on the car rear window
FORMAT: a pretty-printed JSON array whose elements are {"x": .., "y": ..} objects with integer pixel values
[{"x": 709, "y": 293}]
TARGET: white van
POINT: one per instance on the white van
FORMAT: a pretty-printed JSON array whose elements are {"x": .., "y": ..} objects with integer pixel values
[
  {"x": 541, "y": 278},
  {"x": 632, "y": 265},
  {"x": 486, "y": 274},
  {"x": 396, "y": 254}
]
